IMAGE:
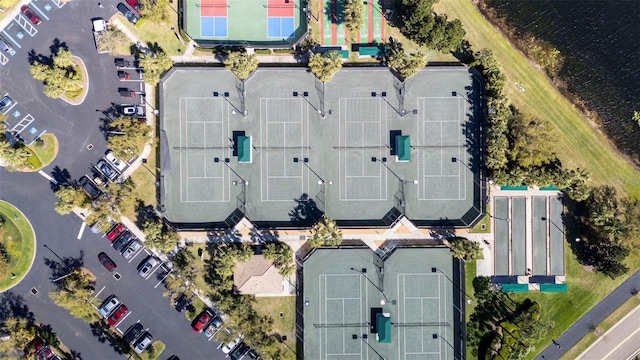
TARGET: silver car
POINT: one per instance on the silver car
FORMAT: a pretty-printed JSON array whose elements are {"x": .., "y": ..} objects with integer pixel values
[
  {"x": 143, "y": 343},
  {"x": 108, "y": 306},
  {"x": 145, "y": 268},
  {"x": 131, "y": 249}
]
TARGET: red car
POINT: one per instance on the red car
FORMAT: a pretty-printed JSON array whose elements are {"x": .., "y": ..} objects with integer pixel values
[
  {"x": 134, "y": 4},
  {"x": 202, "y": 321},
  {"x": 106, "y": 261},
  {"x": 34, "y": 347},
  {"x": 117, "y": 315},
  {"x": 115, "y": 231},
  {"x": 30, "y": 14}
]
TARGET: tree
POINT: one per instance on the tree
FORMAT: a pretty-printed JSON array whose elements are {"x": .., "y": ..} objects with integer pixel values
[
  {"x": 325, "y": 65},
  {"x": 155, "y": 10},
  {"x": 159, "y": 236},
  {"x": 128, "y": 138},
  {"x": 531, "y": 141},
  {"x": 281, "y": 255},
  {"x": 636, "y": 117},
  {"x": 154, "y": 65},
  {"x": 353, "y": 15},
  {"x": 60, "y": 76},
  {"x": 465, "y": 249},
  {"x": 421, "y": 25},
  {"x": 16, "y": 156},
  {"x": 68, "y": 198},
  {"x": 5, "y": 267},
  {"x": 325, "y": 232},
  {"x": 241, "y": 63},
  {"x": 406, "y": 65},
  {"x": 20, "y": 330},
  {"x": 63, "y": 59},
  {"x": 111, "y": 39},
  {"x": 74, "y": 294}
]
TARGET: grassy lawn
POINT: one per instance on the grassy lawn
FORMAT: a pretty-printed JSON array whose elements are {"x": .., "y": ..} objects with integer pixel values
[
  {"x": 578, "y": 144},
  {"x": 158, "y": 348},
  {"x": 285, "y": 325},
  {"x": 198, "y": 306},
  {"x": 7, "y": 5},
  {"x": 150, "y": 32},
  {"x": 599, "y": 330},
  {"x": 469, "y": 275},
  {"x": 19, "y": 242},
  {"x": 486, "y": 221},
  {"x": 144, "y": 179},
  {"x": 47, "y": 151}
]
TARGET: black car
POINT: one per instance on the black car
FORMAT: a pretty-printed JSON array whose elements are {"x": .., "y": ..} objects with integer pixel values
[
  {"x": 106, "y": 170},
  {"x": 252, "y": 354},
  {"x": 240, "y": 351},
  {"x": 182, "y": 302},
  {"x": 123, "y": 240},
  {"x": 133, "y": 333},
  {"x": 130, "y": 15},
  {"x": 122, "y": 63},
  {"x": 89, "y": 187}
]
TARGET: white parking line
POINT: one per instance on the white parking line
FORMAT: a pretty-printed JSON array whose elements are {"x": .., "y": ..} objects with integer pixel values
[
  {"x": 98, "y": 294},
  {"x": 46, "y": 176},
  {"x": 121, "y": 320},
  {"x": 10, "y": 107},
  {"x": 160, "y": 282},
  {"x": 153, "y": 272},
  {"x": 84, "y": 224},
  {"x": 10, "y": 38},
  {"x": 40, "y": 11},
  {"x": 135, "y": 255}
]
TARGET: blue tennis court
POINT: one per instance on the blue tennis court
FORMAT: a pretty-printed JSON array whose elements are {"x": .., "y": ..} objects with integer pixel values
[
  {"x": 213, "y": 26},
  {"x": 281, "y": 27}
]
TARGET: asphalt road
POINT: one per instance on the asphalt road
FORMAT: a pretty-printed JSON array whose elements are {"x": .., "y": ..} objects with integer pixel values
[
  {"x": 59, "y": 238},
  {"x": 620, "y": 342},
  {"x": 592, "y": 318}
]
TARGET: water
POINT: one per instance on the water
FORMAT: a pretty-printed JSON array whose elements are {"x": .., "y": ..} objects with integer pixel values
[{"x": 600, "y": 41}]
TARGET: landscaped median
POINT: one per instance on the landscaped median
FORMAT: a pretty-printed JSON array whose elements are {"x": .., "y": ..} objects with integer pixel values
[{"x": 18, "y": 243}]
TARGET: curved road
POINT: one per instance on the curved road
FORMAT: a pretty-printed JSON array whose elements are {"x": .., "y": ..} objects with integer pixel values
[{"x": 592, "y": 318}]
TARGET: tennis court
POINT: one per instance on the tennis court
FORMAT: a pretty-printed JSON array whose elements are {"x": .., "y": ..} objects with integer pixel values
[
  {"x": 441, "y": 141},
  {"x": 245, "y": 21},
  {"x": 355, "y": 313},
  {"x": 202, "y": 138}
]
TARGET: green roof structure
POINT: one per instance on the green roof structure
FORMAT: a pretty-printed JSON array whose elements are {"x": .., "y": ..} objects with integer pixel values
[
  {"x": 244, "y": 149},
  {"x": 403, "y": 146}
]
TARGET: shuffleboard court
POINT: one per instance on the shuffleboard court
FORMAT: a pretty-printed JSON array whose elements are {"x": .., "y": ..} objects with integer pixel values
[
  {"x": 362, "y": 139},
  {"x": 518, "y": 235},
  {"x": 283, "y": 140},
  {"x": 501, "y": 226},
  {"x": 442, "y": 157},
  {"x": 556, "y": 236},
  {"x": 539, "y": 235},
  {"x": 202, "y": 138}
]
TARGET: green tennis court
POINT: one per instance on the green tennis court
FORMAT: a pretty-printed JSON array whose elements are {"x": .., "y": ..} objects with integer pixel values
[
  {"x": 353, "y": 312},
  {"x": 255, "y": 22}
]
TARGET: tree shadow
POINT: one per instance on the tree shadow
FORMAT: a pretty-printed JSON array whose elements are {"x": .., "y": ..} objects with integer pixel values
[
  {"x": 260, "y": 236},
  {"x": 61, "y": 176},
  {"x": 145, "y": 213},
  {"x": 576, "y": 229},
  {"x": 57, "y": 45},
  {"x": 33, "y": 57},
  {"x": 65, "y": 266},
  {"x": 100, "y": 330},
  {"x": 306, "y": 212},
  {"x": 12, "y": 305},
  {"x": 108, "y": 115}
]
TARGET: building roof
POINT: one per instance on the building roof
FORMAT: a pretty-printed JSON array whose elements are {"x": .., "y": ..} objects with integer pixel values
[
  {"x": 257, "y": 276},
  {"x": 320, "y": 148},
  {"x": 399, "y": 306}
]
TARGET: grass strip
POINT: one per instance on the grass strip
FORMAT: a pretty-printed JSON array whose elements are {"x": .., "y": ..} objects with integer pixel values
[
  {"x": 579, "y": 142},
  {"x": 285, "y": 325},
  {"x": 21, "y": 248},
  {"x": 47, "y": 150}
]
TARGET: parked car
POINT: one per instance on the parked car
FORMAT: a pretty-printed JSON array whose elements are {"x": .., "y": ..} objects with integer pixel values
[
  {"x": 126, "y": 92},
  {"x": 4, "y": 44},
  {"x": 231, "y": 345},
  {"x": 143, "y": 343},
  {"x": 145, "y": 268},
  {"x": 201, "y": 322},
  {"x": 135, "y": 5},
  {"x": 45, "y": 354},
  {"x": 106, "y": 170},
  {"x": 132, "y": 333},
  {"x": 239, "y": 352},
  {"x": 123, "y": 241},
  {"x": 122, "y": 63},
  {"x": 35, "y": 346},
  {"x": 89, "y": 187},
  {"x": 123, "y": 75},
  {"x": 252, "y": 355},
  {"x": 118, "y": 315},
  {"x": 108, "y": 306},
  {"x": 5, "y": 103},
  {"x": 30, "y": 14},
  {"x": 106, "y": 261},
  {"x": 130, "y": 15},
  {"x": 213, "y": 327},
  {"x": 117, "y": 163},
  {"x": 182, "y": 302},
  {"x": 131, "y": 249},
  {"x": 115, "y": 231}
]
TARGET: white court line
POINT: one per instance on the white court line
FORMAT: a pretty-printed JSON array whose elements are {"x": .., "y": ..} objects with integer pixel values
[
  {"x": 84, "y": 224},
  {"x": 46, "y": 176}
]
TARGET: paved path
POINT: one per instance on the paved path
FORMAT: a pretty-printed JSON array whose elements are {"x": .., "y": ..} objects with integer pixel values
[
  {"x": 619, "y": 342},
  {"x": 592, "y": 318}
]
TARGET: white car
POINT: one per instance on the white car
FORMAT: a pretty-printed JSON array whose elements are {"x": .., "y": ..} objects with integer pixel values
[
  {"x": 143, "y": 343},
  {"x": 108, "y": 306},
  {"x": 231, "y": 345},
  {"x": 131, "y": 249},
  {"x": 145, "y": 268},
  {"x": 119, "y": 164}
]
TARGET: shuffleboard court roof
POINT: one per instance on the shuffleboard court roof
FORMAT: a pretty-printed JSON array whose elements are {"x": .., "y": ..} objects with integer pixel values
[{"x": 317, "y": 148}]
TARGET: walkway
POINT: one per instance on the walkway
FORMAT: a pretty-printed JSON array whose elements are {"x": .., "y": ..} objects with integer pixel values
[{"x": 622, "y": 341}]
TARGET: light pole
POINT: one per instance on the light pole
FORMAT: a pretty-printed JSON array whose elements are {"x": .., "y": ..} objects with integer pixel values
[
  {"x": 403, "y": 182},
  {"x": 305, "y": 95},
  {"x": 383, "y": 95},
  {"x": 244, "y": 182},
  {"x": 499, "y": 218},
  {"x": 362, "y": 272},
  {"x": 544, "y": 218},
  {"x": 321, "y": 181},
  {"x": 364, "y": 338},
  {"x": 469, "y": 298},
  {"x": 225, "y": 95}
]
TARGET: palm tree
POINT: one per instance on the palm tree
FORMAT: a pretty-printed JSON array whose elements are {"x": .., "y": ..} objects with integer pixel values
[{"x": 325, "y": 232}]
